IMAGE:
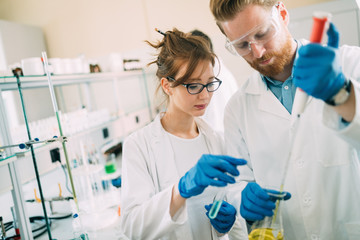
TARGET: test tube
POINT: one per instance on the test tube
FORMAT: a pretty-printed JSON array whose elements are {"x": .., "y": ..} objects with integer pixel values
[{"x": 218, "y": 200}]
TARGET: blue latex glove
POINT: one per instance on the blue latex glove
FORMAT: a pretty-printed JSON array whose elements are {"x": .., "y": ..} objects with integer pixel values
[
  {"x": 317, "y": 68},
  {"x": 209, "y": 170},
  {"x": 225, "y": 218},
  {"x": 256, "y": 202}
]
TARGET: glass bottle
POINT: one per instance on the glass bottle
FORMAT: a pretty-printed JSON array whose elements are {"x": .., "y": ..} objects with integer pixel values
[{"x": 270, "y": 228}]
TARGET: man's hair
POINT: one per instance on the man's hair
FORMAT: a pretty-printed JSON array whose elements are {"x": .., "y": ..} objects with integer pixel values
[{"x": 225, "y": 10}]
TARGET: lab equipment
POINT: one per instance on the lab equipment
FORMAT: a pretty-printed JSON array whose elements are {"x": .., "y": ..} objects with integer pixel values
[
  {"x": 206, "y": 171},
  {"x": 110, "y": 165},
  {"x": 15, "y": 223},
  {"x": 33, "y": 156},
  {"x": 320, "y": 23},
  {"x": 225, "y": 218},
  {"x": 271, "y": 227},
  {"x": 56, "y": 111},
  {"x": 78, "y": 231},
  {"x": 215, "y": 206},
  {"x": 325, "y": 62},
  {"x": 26, "y": 145},
  {"x": 3, "y": 232}
]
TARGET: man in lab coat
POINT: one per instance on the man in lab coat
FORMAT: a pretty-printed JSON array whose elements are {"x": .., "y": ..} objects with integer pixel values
[{"x": 323, "y": 174}]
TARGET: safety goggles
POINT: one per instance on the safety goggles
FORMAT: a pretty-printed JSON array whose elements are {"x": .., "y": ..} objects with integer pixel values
[{"x": 259, "y": 35}]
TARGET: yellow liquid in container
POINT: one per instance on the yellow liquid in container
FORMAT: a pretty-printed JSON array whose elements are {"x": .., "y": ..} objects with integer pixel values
[{"x": 265, "y": 234}]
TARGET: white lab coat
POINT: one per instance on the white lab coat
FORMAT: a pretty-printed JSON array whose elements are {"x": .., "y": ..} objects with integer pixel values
[
  {"x": 324, "y": 171},
  {"x": 149, "y": 173}
]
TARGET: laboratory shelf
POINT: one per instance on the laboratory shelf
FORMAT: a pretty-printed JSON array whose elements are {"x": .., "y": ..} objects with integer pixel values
[
  {"x": 124, "y": 95},
  {"x": 10, "y": 83},
  {"x": 22, "y": 153}
]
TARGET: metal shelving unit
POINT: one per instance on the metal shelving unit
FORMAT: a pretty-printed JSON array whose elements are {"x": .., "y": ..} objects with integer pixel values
[{"x": 35, "y": 82}]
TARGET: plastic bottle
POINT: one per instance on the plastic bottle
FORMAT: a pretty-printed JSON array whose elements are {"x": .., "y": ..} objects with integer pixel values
[{"x": 78, "y": 232}]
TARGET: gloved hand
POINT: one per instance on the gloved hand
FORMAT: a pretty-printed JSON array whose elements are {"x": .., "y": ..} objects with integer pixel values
[
  {"x": 256, "y": 203},
  {"x": 225, "y": 218},
  {"x": 209, "y": 170},
  {"x": 317, "y": 69}
]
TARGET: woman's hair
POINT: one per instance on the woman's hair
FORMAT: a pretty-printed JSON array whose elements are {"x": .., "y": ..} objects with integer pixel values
[
  {"x": 225, "y": 10},
  {"x": 176, "y": 49}
]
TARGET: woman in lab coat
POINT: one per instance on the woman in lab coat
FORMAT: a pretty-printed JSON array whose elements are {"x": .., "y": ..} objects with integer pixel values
[{"x": 170, "y": 166}]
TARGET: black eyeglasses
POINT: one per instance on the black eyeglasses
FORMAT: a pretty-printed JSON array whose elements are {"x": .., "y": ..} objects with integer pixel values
[{"x": 196, "y": 88}]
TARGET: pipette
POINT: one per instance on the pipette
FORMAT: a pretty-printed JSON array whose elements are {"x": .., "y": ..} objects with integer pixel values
[{"x": 320, "y": 24}]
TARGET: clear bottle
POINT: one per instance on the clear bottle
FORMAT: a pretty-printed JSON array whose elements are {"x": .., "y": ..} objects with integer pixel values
[{"x": 78, "y": 231}]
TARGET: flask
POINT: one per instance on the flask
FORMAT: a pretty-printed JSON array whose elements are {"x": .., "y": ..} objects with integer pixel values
[
  {"x": 270, "y": 228},
  {"x": 78, "y": 232}
]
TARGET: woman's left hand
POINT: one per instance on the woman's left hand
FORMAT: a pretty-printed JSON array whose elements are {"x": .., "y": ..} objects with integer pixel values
[{"x": 225, "y": 218}]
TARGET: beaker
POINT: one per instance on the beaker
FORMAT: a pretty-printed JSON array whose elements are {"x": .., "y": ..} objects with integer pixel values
[{"x": 270, "y": 228}]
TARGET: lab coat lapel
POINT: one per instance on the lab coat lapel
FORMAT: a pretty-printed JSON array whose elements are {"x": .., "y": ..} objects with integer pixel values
[
  {"x": 166, "y": 171},
  {"x": 267, "y": 100}
]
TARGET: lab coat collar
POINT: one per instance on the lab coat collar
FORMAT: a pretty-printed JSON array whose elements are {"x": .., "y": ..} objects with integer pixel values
[{"x": 267, "y": 100}]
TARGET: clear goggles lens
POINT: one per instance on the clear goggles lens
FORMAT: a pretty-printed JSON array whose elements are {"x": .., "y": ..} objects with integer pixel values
[{"x": 259, "y": 35}]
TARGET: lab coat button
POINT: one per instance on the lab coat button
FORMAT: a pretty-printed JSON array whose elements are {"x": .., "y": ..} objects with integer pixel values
[
  {"x": 307, "y": 200},
  {"x": 315, "y": 237},
  {"x": 300, "y": 163}
]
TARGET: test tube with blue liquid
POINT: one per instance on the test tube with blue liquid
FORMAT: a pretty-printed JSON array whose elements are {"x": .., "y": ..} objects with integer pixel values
[{"x": 218, "y": 200}]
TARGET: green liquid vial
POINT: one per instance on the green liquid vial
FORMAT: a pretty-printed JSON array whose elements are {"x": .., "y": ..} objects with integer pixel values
[{"x": 110, "y": 166}]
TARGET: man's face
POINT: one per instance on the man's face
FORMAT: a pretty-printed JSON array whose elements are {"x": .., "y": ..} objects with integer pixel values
[{"x": 267, "y": 55}]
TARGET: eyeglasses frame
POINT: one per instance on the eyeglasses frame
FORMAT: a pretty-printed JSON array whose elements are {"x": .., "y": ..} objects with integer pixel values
[{"x": 203, "y": 85}]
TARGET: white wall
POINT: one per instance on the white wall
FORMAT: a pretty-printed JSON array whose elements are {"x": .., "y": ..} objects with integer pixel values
[{"x": 98, "y": 27}]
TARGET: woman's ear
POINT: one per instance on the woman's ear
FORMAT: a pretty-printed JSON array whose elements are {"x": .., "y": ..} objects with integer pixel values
[
  {"x": 166, "y": 86},
  {"x": 284, "y": 14}
]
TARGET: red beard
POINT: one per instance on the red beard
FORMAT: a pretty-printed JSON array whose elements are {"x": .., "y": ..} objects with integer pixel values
[{"x": 281, "y": 59}]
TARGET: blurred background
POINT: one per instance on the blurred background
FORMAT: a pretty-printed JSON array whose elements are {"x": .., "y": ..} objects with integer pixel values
[{"x": 96, "y": 28}]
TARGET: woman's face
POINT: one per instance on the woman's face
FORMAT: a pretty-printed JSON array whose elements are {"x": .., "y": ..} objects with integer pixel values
[{"x": 182, "y": 101}]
